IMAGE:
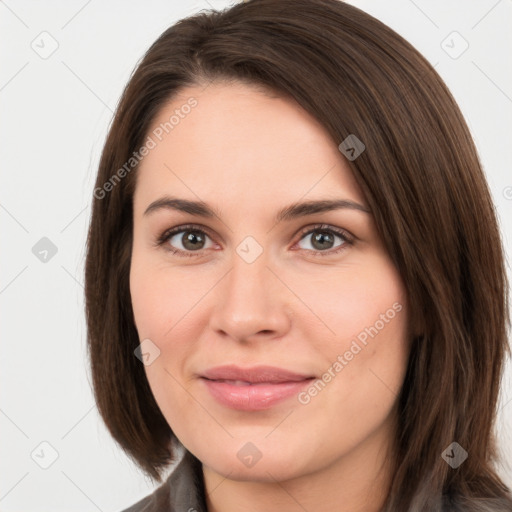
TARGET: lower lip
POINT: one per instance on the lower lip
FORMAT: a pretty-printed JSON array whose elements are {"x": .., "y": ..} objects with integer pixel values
[{"x": 253, "y": 397}]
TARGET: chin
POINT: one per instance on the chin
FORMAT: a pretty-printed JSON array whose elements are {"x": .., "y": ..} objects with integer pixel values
[{"x": 256, "y": 461}]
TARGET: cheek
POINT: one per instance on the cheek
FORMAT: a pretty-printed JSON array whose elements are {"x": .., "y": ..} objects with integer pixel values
[
  {"x": 163, "y": 307},
  {"x": 159, "y": 298},
  {"x": 355, "y": 299},
  {"x": 366, "y": 351},
  {"x": 157, "y": 310}
]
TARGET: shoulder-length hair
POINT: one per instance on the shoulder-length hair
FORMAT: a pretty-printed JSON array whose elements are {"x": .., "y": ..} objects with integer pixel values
[{"x": 423, "y": 181}]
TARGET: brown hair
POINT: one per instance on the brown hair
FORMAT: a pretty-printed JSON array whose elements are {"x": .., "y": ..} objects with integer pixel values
[{"x": 423, "y": 181}]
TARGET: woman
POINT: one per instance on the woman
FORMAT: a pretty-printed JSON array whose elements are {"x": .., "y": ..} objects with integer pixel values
[{"x": 295, "y": 286}]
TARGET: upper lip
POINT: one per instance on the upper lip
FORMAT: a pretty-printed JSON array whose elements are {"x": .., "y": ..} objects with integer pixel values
[{"x": 270, "y": 374}]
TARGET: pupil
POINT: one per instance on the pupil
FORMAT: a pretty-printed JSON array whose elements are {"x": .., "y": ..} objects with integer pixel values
[
  {"x": 322, "y": 237},
  {"x": 190, "y": 240}
]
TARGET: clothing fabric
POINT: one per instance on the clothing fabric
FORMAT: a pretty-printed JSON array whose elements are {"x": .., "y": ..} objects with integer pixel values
[{"x": 183, "y": 491}]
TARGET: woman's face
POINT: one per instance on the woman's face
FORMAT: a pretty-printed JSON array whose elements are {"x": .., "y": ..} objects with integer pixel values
[{"x": 312, "y": 294}]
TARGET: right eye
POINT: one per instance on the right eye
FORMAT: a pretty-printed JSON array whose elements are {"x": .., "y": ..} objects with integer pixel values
[{"x": 191, "y": 239}]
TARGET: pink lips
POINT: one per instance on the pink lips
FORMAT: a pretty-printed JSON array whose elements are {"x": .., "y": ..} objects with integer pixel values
[{"x": 252, "y": 389}]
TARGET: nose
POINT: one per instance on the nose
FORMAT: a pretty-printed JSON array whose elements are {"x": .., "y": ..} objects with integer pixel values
[{"x": 251, "y": 303}]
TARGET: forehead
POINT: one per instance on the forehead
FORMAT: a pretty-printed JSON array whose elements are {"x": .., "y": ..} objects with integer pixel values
[{"x": 222, "y": 140}]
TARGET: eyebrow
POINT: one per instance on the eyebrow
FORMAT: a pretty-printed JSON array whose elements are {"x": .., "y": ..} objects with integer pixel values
[{"x": 290, "y": 212}]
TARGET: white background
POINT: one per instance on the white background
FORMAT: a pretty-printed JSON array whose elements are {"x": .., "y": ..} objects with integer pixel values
[{"x": 54, "y": 116}]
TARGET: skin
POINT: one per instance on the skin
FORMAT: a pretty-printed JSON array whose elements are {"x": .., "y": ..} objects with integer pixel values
[{"x": 249, "y": 154}]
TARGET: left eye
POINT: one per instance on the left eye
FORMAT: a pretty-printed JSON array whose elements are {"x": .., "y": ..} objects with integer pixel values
[{"x": 323, "y": 238}]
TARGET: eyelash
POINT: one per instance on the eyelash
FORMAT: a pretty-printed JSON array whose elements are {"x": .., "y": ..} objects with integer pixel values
[{"x": 168, "y": 234}]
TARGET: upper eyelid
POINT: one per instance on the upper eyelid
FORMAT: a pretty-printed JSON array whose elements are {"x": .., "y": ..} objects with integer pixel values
[{"x": 188, "y": 227}]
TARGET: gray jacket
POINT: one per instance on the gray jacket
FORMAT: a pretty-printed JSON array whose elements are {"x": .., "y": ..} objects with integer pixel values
[{"x": 183, "y": 491}]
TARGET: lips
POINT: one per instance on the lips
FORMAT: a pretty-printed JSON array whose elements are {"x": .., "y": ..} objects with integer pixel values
[{"x": 255, "y": 388}]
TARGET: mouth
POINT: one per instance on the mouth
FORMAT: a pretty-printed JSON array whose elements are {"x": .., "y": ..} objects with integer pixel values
[{"x": 255, "y": 388}]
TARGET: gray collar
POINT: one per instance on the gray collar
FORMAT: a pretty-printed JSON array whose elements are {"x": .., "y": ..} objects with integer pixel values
[
  {"x": 187, "y": 486},
  {"x": 183, "y": 491}
]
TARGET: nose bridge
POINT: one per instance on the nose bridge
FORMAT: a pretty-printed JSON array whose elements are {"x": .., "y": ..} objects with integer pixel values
[
  {"x": 250, "y": 273},
  {"x": 249, "y": 282}
]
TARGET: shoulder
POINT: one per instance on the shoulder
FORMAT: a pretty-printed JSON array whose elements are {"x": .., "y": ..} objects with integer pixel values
[
  {"x": 158, "y": 500},
  {"x": 183, "y": 490}
]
